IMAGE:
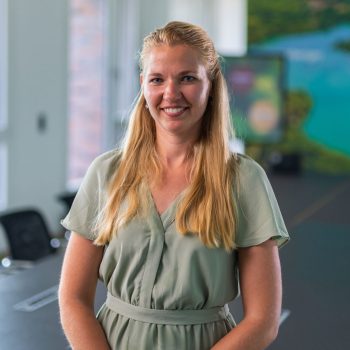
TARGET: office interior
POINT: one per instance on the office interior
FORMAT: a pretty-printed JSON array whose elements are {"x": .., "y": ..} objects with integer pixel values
[{"x": 68, "y": 76}]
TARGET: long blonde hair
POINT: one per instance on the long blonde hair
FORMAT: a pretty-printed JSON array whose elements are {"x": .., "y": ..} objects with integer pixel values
[{"x": 207, "y": 206}]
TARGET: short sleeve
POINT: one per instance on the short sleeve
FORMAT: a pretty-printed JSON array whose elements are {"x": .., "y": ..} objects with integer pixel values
[
  {"x": 91, "y": 196},
  {"x": 258, "y": 215}
]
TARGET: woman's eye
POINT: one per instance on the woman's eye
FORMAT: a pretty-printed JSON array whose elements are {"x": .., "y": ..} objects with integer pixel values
[
  {"x": 188, "y": 78},
  {"x": 155, "y": 80}
]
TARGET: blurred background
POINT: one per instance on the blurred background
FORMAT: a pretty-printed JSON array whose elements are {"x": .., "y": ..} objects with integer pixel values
[{"x": 69, "y": 74}]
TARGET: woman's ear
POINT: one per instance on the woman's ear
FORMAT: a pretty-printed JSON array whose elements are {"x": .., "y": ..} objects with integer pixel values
[{"x": 141, "y": 79}]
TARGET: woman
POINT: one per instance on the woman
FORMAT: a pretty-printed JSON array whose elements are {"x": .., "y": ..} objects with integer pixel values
[{"x": 167, "y": 222}]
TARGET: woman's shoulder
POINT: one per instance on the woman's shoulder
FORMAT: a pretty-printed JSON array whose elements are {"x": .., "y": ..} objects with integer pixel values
[
  {"x": 246, "y": 165},
  {"x": 249, "y": 175},
  {"x": 108, "y": 157},
  {"x": 106, "y": 163}
]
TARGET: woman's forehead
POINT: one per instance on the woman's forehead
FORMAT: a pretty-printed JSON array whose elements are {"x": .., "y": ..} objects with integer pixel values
[{"x": 179, "y": 56}]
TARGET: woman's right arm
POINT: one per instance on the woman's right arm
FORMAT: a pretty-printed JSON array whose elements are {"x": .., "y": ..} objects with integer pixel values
[{"x": 77, "y": 293}]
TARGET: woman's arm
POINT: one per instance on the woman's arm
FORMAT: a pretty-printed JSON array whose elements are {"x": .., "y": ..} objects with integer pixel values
[
  {"x": 77, "y": 292},
  {"x": 261, "y": 290}
]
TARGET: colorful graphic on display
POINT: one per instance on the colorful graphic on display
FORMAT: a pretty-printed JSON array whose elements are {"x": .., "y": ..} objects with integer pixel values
[{"x": 255, "y": 85}]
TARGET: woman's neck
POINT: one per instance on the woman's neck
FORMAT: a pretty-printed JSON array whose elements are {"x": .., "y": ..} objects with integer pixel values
[{"x": 173, "y": 153}]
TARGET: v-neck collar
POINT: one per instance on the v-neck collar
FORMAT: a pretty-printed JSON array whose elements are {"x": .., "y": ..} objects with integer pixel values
[{"x": 168, "y": 215}]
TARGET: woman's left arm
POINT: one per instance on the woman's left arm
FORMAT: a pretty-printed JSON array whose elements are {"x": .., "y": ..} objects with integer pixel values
[{"x": 261, "y": 290}]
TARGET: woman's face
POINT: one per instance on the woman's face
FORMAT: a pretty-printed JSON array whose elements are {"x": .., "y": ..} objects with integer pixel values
[{"x": 176, "y": 88}]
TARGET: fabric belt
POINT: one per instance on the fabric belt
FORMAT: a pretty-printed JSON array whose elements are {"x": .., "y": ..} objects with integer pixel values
[{"x": 174, "y": 317}]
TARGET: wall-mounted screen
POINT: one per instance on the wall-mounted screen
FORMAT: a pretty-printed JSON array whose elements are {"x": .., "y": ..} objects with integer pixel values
[{"x": 255, "y": 84}]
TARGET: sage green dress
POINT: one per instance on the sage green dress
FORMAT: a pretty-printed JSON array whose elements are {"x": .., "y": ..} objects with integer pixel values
[{"x": 166, "y": 290}]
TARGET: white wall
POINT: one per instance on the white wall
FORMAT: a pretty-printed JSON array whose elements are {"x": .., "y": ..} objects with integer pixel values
[
  {"x": 224, "y": 20},
  {"x": 37, "y": 88}
]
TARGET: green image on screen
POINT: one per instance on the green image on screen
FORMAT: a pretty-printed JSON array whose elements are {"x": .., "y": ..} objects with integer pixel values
[{"x": 255, "y": 85}]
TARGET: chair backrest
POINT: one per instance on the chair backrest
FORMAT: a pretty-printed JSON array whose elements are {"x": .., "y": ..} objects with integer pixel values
[{"x": 27, "y": 234}]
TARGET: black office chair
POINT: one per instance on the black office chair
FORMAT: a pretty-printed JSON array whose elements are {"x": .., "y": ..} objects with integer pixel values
[
  {"x": 67, "y": 199},
  {"x": 27, "y": 234}
]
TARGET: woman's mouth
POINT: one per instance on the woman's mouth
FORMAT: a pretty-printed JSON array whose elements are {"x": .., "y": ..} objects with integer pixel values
[{"x": 174, "y": 111}]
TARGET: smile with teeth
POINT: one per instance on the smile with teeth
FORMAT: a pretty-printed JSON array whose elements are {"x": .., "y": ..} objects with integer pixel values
[{"x": 174, "y": 110}]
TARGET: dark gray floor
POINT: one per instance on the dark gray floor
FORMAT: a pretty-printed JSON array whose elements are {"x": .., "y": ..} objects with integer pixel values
[{"x": 316, "y": 262}]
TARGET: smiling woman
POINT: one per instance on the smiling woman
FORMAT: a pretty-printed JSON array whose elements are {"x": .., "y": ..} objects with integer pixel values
[
  {"x": 167, "y": 221},
  {"x": 176, "y": 88}
]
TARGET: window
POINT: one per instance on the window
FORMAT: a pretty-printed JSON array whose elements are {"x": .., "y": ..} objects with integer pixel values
[
  {"x": 3, "y": 176},
  {"x": 3, "y": 65},
  {"x": 87, "y": 85},
  {"x": 3, "y": 104}
]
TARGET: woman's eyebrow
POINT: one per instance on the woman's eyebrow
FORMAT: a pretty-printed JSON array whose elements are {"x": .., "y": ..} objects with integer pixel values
[
  {"x": 178, "y": 73},
  {"x": 155, "y": 74},
  {"x": 188, "y": 72}
]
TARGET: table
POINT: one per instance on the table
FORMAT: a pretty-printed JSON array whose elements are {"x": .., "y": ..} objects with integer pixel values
[{"x": 29, "y": 316}]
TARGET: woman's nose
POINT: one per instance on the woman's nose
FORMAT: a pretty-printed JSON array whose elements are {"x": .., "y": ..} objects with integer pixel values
[{"x": 172, "y": 90}]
